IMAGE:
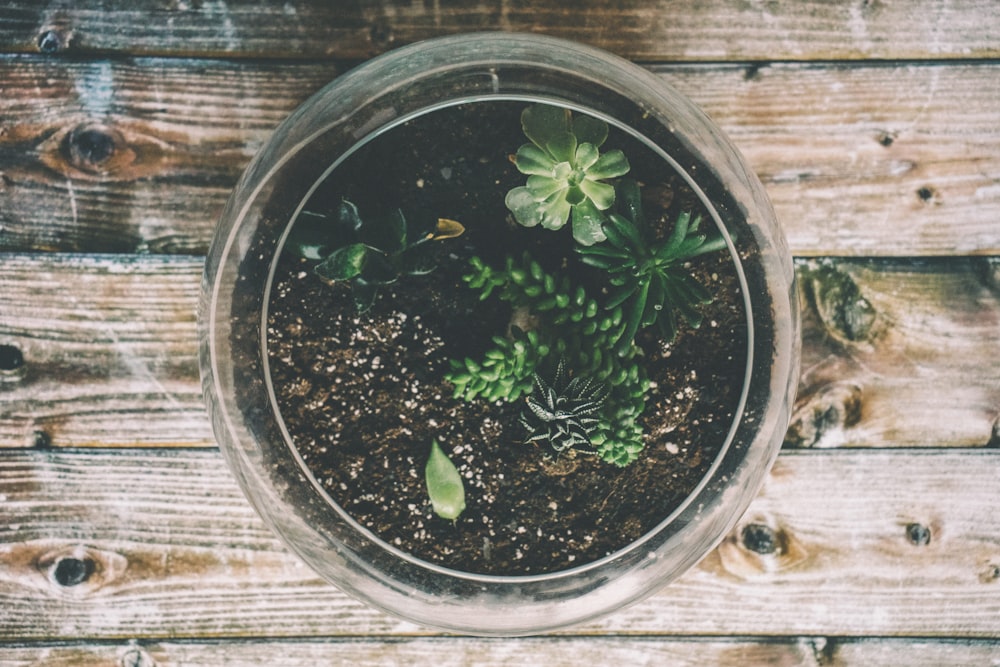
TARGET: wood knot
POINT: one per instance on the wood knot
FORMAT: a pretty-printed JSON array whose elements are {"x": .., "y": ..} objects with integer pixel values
[
  {"x": 92, "y": 148},
  {"x": 11, "y": 364},
  {"x": 838, "y": 302},
  {"x": 55, "y": 39},
  {"x": 822, "y": 415},
  {"x": 760, "y": 546},
  {"x": 79, "y": 570},
  {"x": 918, "y": 534}
]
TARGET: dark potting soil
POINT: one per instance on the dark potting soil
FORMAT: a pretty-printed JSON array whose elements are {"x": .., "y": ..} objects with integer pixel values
[{"x": 364, "y": 395}]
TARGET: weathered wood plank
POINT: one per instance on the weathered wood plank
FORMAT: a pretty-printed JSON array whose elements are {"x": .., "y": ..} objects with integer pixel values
[
  {"x": 140, "y": 156},
  {"x": 864, "y": 543},
  {"x": 551, "y": 651},
  {"x": 652, "y": 30},
  {"x": 109, "y": 345}
]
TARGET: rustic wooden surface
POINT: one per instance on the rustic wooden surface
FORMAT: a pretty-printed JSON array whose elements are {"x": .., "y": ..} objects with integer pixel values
[{"x": 875, "y": 127}]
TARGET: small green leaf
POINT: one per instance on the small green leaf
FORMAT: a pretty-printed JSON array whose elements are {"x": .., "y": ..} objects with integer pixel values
[
  {"x": 345, "y": 263},
  {"x": 444, "y": 484},
  {"x": 522, "y": 204},
  {"x": 532, "y": 160},
  {"x": 609, "y": 165},
  {"x": 588, "y": 224},
  {"x": 589, "y": 129},
  {"x": 541, "y": 122}
]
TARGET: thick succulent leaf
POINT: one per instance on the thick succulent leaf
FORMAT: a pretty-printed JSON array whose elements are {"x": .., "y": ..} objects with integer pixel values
[
  {"x": 589, "y": 129},
  {"x": 586, "y": 155},
  {"x": 630, "y": 202},
  {"x": 542, "y": 187},
  {"x": 668, "y": 251},
  {"x": 622, "y": 234},
  {"x": 588, "y": 224},
  {"x": 655, "y": 300},
  {"x": 634, "y": 314},
  {"x": 554, "y": 211},
  {"x": 444, "y": 484},
  {"x": 602, "y": 194},
  {"x": 621, "y": 294},
  {"x": 522, "y": 204},
  {"x": 696, "y": 291},
  {"x": 542, "y": 122},
  {"x": 348, "y": 217},
  {"x": 532, "y": 160},
  {"x": 364, "y": 294},
  {"x": 681, "y": 301},
  {"x": 378, "y": 270},
  {"x": 415, "y": 261},
  {"x": 609, "y": 165},
  {"x": 387, "y": 233},
  {"x": 344, "y": 263},
  {"x": 311, "y": 236},
  {"x": 711, "y": 244},
  {"x": 562, "y": 147}
]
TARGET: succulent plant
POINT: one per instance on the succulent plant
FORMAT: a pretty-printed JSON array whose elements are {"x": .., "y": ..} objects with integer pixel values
[
  {"x": 571, "y": 326},
  {"x": 444, "y": 484},
  {"x": 564, "y": 412},
  {"x": 368, "y": 253},
  {"x": 565, "y": 172},
  {"x": 650, "y": 279}
]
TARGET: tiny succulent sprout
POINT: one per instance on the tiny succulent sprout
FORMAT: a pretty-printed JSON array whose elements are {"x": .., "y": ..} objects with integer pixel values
[
  {"x": 565, "y": 172},
  {"x": 444, "y": 484},
  {"x": 368, "y": 253},
  {"x": 650, "y": 280}
]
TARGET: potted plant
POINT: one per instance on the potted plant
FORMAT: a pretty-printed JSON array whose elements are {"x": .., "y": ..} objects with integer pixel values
[{"x": 498, "y": 333}]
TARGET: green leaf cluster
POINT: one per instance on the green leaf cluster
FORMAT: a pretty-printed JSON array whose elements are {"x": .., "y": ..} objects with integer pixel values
[
  {"x": 565, "y": 172},
  {"x": 368, "y": 253},
  {"x": 651, "y": 280},
  {"x": 571, "y": 326}
]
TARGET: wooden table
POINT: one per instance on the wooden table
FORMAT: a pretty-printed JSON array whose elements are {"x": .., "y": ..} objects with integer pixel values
[{"x": 875, "y": 126}]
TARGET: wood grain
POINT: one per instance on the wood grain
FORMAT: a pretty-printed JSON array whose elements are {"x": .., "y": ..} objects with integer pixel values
[
  {"x": 171, "y": 549},
  {"x": 140, "y": 155},
  {"x": 651, "y": 30},
  {"x": 551, "y": 651},
  {"x": 110, "y": 352}
]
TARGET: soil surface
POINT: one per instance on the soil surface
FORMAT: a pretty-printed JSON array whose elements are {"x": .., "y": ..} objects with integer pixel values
[{"x": 364, "y": 395}]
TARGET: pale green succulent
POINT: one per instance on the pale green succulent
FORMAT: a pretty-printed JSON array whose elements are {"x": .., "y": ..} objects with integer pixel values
[{"x": 565, "y": 172}]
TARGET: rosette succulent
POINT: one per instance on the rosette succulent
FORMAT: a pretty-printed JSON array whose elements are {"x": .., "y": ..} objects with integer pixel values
[
  {"x": 565, "y": 172},
  {"x": 565, "y": 412}
]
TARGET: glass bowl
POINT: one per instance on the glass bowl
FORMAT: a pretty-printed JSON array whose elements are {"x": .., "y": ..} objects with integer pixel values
[{"x": 367, "y": 103}]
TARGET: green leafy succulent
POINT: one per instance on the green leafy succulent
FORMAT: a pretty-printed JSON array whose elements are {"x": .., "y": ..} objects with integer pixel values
[
  {"x": 565, "y": 172},
  {"x": 444, "y": 484},
  {"x": 368, "y": 253},
  {"x": 569, "y": 325},
  {"x": 650, "y": 279},
  {"x": 565, "y": 412}
]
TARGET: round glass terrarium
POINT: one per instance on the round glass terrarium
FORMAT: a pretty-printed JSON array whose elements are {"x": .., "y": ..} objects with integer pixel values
[{"x": 545, "y": 260}]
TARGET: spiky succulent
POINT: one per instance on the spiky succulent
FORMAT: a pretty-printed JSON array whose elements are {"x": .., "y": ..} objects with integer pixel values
[
  {"x": 650, "y": 278},
  {"x": 565, "y": 172},
  {"x": 564, "y": 412}
]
